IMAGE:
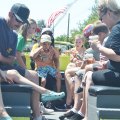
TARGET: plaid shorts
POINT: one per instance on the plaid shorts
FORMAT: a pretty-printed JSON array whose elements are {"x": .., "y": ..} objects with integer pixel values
[{"x": 45, "y": 70}]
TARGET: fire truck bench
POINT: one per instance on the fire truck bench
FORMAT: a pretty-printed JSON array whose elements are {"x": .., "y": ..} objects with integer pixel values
[
  {"x": 16, "y": 99},
  {"x": 103, "y": 103}
]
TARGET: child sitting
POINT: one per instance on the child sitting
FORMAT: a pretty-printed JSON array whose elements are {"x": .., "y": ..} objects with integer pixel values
[{"x": 47, "y": 61}]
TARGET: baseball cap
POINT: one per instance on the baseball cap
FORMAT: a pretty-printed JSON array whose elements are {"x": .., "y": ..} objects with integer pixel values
[
  {"x": 21, "y": 12},
  {"x": 45, "y": 38}
]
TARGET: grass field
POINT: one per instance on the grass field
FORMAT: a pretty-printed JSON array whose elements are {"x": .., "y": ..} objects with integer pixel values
[{"x": 20, "y": 118}]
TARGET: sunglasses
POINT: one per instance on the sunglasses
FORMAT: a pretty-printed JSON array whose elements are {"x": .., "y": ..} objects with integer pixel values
[
  {"x": 101, "y": 17},
  {"x": 17, "y": 19},
  {"x": 103, "y": 13}
]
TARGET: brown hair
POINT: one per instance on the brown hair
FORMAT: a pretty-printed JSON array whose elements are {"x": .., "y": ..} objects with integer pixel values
[
  {"x": 101, "y": 27},
  {"x": 23, "y": 29}
]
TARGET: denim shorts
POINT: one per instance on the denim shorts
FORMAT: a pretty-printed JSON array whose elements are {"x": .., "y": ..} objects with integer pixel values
[{"x": 5, "y": 67}]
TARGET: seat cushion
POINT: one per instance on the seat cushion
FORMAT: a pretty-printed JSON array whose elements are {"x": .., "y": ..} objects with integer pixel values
[{"x": 104, "y": 90}]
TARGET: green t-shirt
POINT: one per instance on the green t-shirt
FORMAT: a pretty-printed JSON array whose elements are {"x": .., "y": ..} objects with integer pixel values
[{"x": 21, "y": 43}]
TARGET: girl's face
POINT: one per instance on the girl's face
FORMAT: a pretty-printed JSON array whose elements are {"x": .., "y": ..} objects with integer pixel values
[
  {"x": 78, "y": 42},
  {"x": 32, "y": 29}
]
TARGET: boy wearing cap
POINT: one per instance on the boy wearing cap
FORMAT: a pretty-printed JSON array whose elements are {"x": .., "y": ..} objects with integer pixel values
[
  {"x": 47, "y": 61},
  {"x": 18, "y": 15}
]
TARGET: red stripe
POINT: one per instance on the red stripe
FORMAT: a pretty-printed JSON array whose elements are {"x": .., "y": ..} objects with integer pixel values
[{"x": 54, "y": 15}]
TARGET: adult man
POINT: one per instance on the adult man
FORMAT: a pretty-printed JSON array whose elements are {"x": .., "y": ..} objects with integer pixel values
[{"x": 17, "y": 16}]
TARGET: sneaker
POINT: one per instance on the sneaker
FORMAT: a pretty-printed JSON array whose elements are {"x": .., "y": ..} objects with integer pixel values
[
  {"x": 65, "y": 107},
  {"x": 76, "y": 116},
  {"x": 67, "y": 115},
  {"x": 6, "y": 118},
  {"x": 45, "y": 110},
  {"x": 52, "y": 96}
]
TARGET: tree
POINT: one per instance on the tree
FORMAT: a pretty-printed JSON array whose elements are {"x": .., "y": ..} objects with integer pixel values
[
  {"x": 90, "y": 20},
  {"x": 41, "y": 24}
]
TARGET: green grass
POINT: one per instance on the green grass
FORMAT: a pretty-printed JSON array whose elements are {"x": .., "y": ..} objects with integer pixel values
[{"x": 20, "y": 118}]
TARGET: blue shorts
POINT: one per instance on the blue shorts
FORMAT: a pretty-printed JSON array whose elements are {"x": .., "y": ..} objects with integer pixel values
[
  {"x": 15, "y": 67},
  {"x": 44, "y": 71}
]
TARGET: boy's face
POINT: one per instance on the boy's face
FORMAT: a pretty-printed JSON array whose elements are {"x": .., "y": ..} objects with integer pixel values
[
  {"x": 102, "y": 36},
  {"x": 46, "y": 45}
]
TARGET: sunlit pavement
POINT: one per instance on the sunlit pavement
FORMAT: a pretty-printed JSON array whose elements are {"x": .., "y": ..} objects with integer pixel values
[{"x": 54, "y": 116}]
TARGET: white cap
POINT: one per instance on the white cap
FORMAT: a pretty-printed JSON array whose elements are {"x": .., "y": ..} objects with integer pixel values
[{"x": 45, "y": 38}]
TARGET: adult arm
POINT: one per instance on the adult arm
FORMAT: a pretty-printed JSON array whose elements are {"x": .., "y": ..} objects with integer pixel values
[
  {"x": 20, "y": 59},
  {"x": 7, "y": 60}
]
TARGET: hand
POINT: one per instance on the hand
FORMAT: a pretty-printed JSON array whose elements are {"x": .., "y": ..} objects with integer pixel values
[
  {"x": 95, "y": 45},
  {"x": 10, "y": 81},
  {"x": 3, "y": 77},
  {"x": 78, "y": 63}
]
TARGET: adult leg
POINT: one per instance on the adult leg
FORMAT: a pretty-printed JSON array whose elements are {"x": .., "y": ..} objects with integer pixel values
[
  {"x": 77, "y": 101},
  {"x": 77, "y": 97},
  {"x": 3, "y": 114},
  {"x": 84, "y": 107},
  {"x": 69, "y": 73},
  {"x": 16, "y": 77},
  {"x": 106, "y": 78}
]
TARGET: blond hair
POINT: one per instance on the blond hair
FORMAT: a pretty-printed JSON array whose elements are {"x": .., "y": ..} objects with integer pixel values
[{"x": 24, "y": 28}]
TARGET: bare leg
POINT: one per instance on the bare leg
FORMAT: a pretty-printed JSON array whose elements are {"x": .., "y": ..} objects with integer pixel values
[
  {"x": 16, "y": 77},
  {"x": 3, "y": 112},
  {"x": 58, "y": 84},
  {"x": 85, "y": 95},
  {"x": 77, "y": 97},
  {"x": 69, "y": 88}
]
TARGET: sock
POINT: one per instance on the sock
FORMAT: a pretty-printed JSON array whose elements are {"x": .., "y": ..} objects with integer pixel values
[
  {"x": 81, "y": 114},
  {"x": 74, "y": 110}
]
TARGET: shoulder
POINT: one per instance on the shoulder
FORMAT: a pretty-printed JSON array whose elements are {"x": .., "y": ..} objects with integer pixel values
[
  {"x": 116, "y": 30},
  {"x": 2, "y": 19},
  {"x": 3, "y": 24}
]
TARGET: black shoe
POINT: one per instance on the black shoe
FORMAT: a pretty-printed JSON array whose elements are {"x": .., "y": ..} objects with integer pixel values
[
  {"x": 67, "y": 115},
  {"x": 76, "y": 116},
  {"x": 80, "y": 89},
  {"x": 63, "y": 108}
]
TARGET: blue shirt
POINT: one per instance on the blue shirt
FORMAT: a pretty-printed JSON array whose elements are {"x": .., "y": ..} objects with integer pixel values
[
  {"x": 113, "y": 42},
  {"x": 8, "y": 39},
  {"x": 8, "y": 43}
]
